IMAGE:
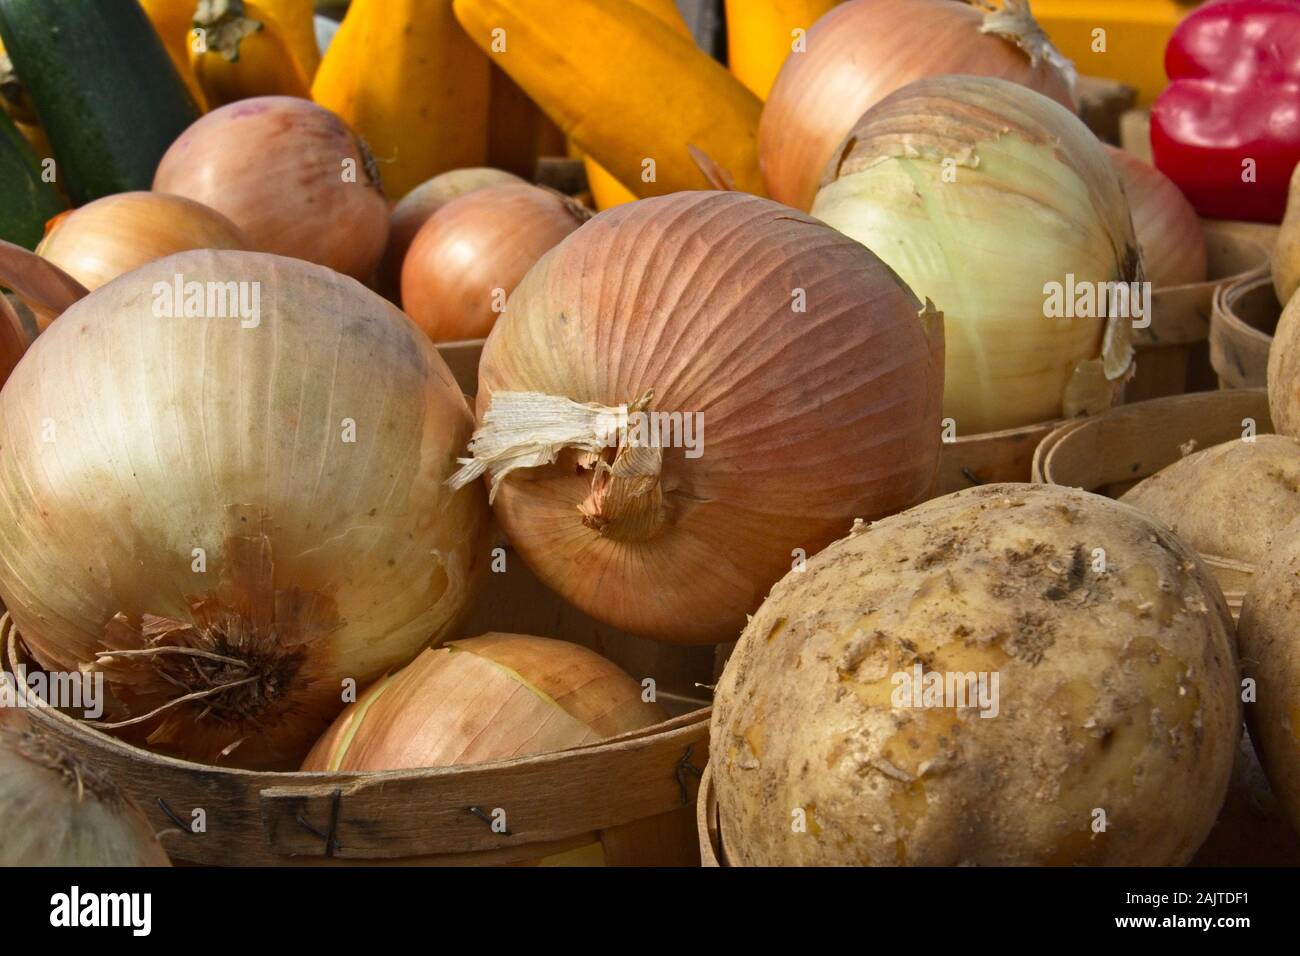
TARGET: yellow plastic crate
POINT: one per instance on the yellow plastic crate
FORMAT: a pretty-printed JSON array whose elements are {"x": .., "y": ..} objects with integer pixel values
[{"x": 1134, "y": 32}]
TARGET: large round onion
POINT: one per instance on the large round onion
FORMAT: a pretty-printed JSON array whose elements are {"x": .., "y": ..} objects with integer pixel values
[
  {"x": 54, "y": 811},
  {"x": 861, "y": 51},
  {"x": 250, "y": 511},
  {"x": 981, "y": 193},
  {"x": 111, "y": 236},
  {"x": 415, "y": 208},
  {"x": 473, "y": 251},
  {"x": 487, "y": 698},
  {"x": 795, "y": 350},
  {"x": 1167, "y": 227},
  {"x": 291, "y": 175}
]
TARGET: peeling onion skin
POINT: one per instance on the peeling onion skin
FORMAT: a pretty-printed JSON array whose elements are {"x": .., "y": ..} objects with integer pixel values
[
  {"x": 980, "y": 192},
  {"x": 809, "y": 418},
  {"x": 1269, "y": 633},
  {"x": 1117, "y": 691},
  {"x": 859, "y": 53},
  {"x": 275, "y": 166},
  {"x": 491, "y": 697},
  {"x": 324, "y": 558},
  {"x": 44, "y": 821},
  {"x": 1167, "y": 227}
]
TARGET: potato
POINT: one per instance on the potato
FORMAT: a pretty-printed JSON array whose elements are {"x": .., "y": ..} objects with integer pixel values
[
  {"x": 1284, "y": 372},
  {"x": 1108, "y": 737},
  {"x": 1269, "y": 637},
  {"x": 1202, "y": 498},
  {"x": 1286, "y": 252}
]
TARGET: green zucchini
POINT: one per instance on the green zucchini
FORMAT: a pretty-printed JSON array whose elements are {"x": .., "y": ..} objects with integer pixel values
[
  {"x": 105, "y": 89},
  {"x": 27, "y": 202}
]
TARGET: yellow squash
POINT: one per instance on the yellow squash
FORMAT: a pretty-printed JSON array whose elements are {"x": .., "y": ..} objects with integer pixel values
[
  {"x": 760, "y": 35},
  {"x": 297, "y": 21},
  {"x": 634, "y": 94},
  {"x": 238, "y": 51},
  {"x": 605, "y": 189},
  {"x": 405, "y": 76},
  {"x": 172, "y": 20}
]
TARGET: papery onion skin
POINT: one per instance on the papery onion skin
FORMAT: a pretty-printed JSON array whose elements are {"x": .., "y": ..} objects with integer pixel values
[
  {"x": 291, "y": 175},
  {"x": 1168, "y": 230},
  {"x": 491, "y": 697},
  {"x": 278, "y": 486},
  {"x": 54, "y": 811},
  {"x": 415, "y": 208},
  {"x": 111, "y": 236},
  {"x": 472, "y": 252},
  {"x": 810, "y": 419},
  {"x": 859, "y": 53},
  {"x": 980, "y": 192}
]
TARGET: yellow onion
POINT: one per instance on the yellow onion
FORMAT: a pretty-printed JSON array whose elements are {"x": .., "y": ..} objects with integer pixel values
[
  {"x": 861, "y": 51},
  {"x": 292, "y": 175},
  {"x": 980, "y": 193},
  {"x": 229, "y": 513},
  {"x": 799, "y": 388},
  {"x": 414, "y": 209},
  {"x": 487, "y": 698},
  {"x": 1167, "y": 227},
  {"x": 55, "y": 811},
  {"x": 473, "y": 251},
  {"x": 110, "y": 236}
]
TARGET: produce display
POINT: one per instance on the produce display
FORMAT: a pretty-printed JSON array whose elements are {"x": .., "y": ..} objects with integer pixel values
[{"x": 648, "y": 433}]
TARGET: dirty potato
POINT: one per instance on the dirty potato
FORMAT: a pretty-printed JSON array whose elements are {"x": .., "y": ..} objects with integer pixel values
[
  {"x": 1203, "y": 497},
  {"x": 1269, "y": 637},
  {"x": 1014, "y": 674}
]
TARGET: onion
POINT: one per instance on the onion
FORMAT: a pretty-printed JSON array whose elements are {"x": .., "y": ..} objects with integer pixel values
[
  {"x": 473, "y": 251},
  {"x": 230, "y": 518},
  {"x": 1168, "y": 229},
  {"x": 291, "y": 174},
  {"x": 806, "y": 393},
  {"x": 43, "y": 287},
  {"x": 415, "y": 208},
  {"x": 111, "y": 236},
  {"x": 54, "y": 811},
  {"x": 979, "y": 193},
  {"x": 860, "y": 52},
  {"x": 487, "y": 698},
  {"x": 13, "y": 342}
]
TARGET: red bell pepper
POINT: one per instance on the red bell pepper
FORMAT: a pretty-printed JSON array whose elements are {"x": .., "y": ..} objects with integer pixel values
[{"x": 1227, "y": 128}]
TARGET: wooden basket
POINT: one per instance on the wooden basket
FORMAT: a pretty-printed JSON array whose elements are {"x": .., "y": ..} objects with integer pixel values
[
  {"x": 628, "y": 800},
  {"x": 1171, "y": 355},
  {"x": 708, "y": 825},
  {"x": 1241, "y": 331},
  {"x": 1111, "y": 452}
]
